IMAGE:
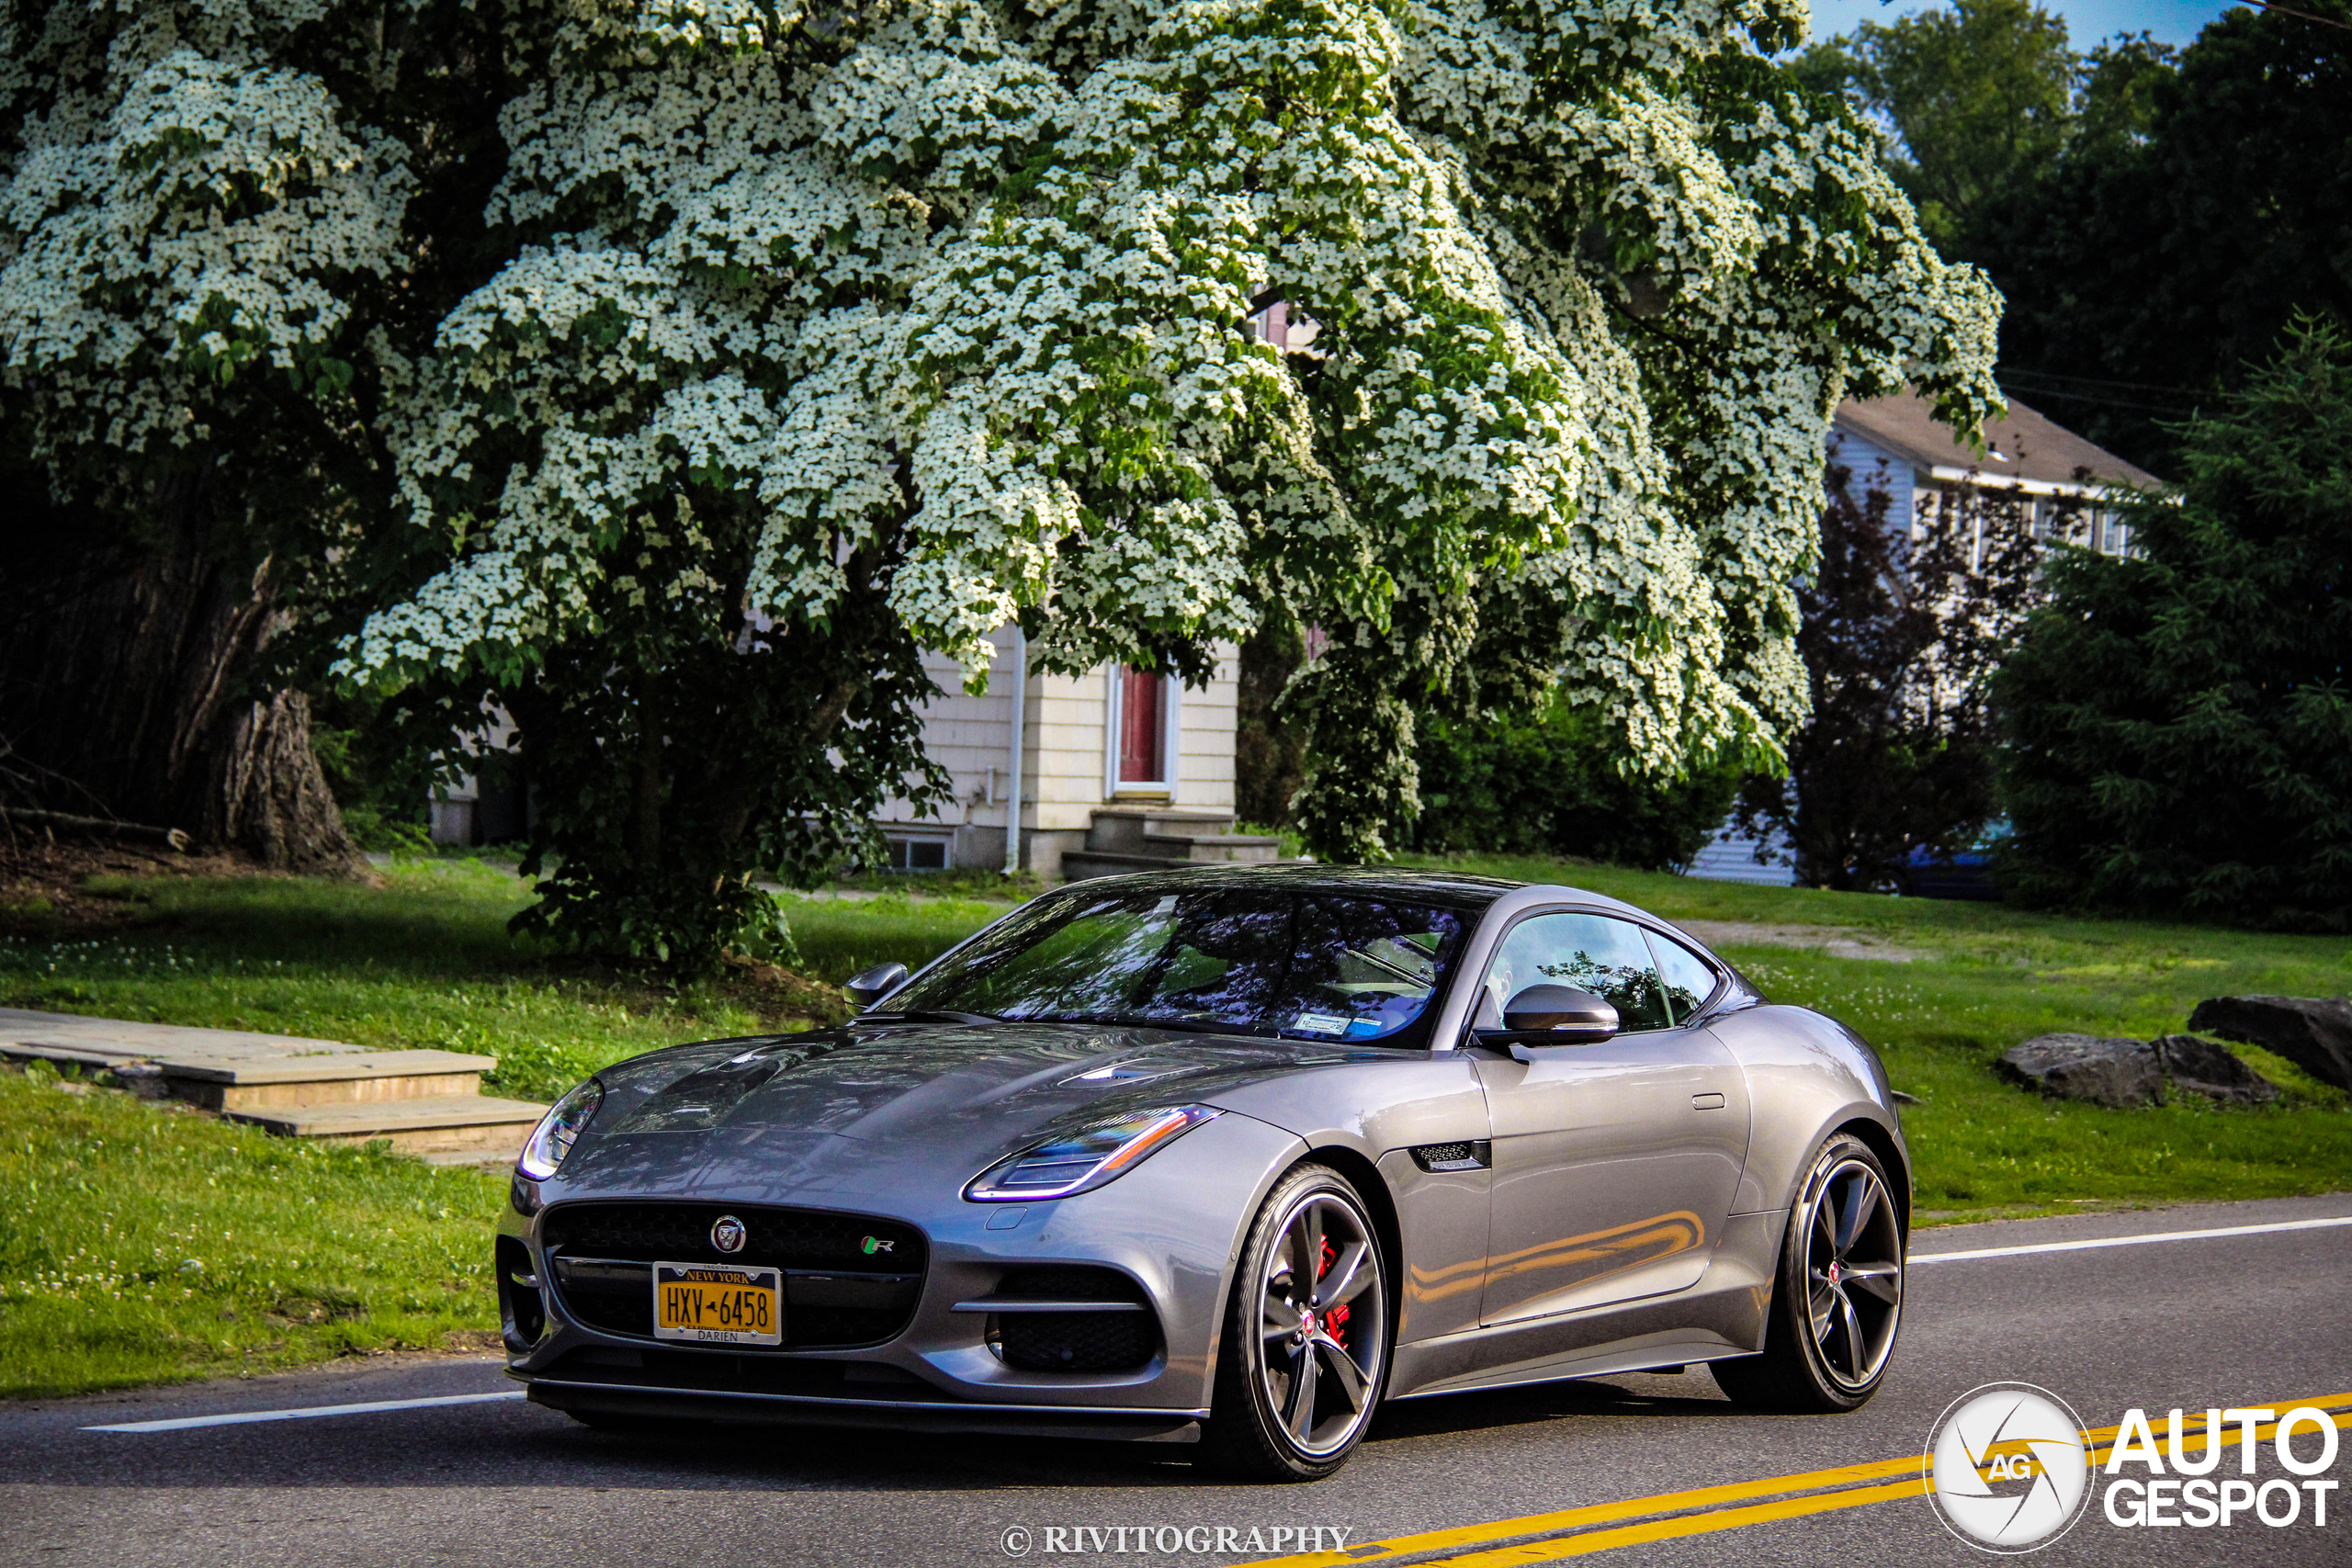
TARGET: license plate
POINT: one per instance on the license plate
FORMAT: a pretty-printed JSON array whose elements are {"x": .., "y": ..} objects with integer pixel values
[{"x": 717, "y": 1304}]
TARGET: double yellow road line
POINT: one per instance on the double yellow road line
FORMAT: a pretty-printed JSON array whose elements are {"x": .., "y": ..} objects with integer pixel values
[{"x": 1573, "y": 1532}]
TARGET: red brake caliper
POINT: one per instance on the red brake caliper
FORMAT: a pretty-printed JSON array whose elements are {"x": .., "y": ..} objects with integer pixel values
[{"x": 1335, "y": 1320}]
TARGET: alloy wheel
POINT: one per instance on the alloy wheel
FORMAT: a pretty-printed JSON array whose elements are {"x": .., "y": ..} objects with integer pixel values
[
  {"x": 1322, "y": 1324},
  {"x": 1853, "y": 1274}
]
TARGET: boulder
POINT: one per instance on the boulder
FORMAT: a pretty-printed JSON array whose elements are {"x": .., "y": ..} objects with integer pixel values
[
  {"x": 2211, "y": 1069},
  {"x": 2120, "y": 1073},
  {"x": 2313, "y": 1032}
]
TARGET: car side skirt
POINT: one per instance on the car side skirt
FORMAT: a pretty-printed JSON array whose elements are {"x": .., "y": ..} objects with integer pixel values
[{"x": 1722, "y": 1315}]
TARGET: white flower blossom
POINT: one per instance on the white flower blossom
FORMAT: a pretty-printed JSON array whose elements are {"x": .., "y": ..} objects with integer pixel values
[{"x": 956, "y": 295}]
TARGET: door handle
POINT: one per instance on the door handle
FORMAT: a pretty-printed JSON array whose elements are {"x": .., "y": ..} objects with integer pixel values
[{"x": 1706, "y": 1102}]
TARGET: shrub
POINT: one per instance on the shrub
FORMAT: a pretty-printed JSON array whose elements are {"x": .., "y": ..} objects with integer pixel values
[
  {"x": 1545, "y": 781},
  {"x": 1900, "y": 637}
]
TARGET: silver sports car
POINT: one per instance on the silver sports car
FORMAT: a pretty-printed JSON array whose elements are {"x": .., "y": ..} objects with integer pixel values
[{"x": 1224, "y": 1157}]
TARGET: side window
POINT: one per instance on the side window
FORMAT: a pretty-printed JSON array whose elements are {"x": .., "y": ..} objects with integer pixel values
[
  {"x": 1591, "y": 952},
  {"x": 1688, "y": 981}
]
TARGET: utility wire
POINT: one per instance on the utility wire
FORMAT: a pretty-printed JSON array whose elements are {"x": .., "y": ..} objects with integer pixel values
[
  {"x": 2097, "y": 381},
  {"x": 2174, "y": 409},
  {"x": 2290, "y": 10},
  {"x": 2098, "y": 395}
]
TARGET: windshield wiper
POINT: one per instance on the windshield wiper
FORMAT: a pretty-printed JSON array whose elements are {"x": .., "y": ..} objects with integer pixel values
[
  {"x": 926, "y": 1017},
  {"x": 1144, "y": 1021}
]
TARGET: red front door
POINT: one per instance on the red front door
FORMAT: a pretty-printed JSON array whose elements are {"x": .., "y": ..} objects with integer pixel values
[{"x": 1143, "y": 728}]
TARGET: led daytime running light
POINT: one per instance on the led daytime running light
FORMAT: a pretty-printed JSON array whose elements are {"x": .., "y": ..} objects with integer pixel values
[
  {"x": 1085, "y": 1158},
  {"x": 559, "y": 1130}
]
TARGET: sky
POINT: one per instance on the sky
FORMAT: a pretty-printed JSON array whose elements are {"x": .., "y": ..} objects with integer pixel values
[{"x": 2088, "y": 21}]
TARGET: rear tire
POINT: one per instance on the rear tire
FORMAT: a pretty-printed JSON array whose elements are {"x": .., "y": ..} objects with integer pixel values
[
  {"x": 1305, "y": 1354},
  {"x": 1838, "y": 1298}
]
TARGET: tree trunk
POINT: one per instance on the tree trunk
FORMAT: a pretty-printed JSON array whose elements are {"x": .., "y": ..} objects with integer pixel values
[
  {"x": 265, "y": 793},
  {"x": 125, "y": 682}
]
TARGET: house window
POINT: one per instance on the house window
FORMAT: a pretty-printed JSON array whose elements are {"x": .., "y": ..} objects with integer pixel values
[
  {"x": 917, "y": 853},
  {"x": 1143, "y": 728}
]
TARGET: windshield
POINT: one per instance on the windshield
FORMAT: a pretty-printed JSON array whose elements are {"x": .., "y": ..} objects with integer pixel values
[{"x": 1314, "y": 965}]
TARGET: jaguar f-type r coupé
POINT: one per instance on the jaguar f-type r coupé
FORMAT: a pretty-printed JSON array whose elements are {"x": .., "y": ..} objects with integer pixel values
[{"x": 1229, "y": 1157}]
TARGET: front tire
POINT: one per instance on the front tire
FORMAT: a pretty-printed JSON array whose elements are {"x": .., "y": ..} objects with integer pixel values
[
  {"x": 1305, "y": 1357},
  {"x": 1837, "y": 1299}
]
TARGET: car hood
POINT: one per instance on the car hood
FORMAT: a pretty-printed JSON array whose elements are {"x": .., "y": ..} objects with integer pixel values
[{"x": 830, "y": 1113}]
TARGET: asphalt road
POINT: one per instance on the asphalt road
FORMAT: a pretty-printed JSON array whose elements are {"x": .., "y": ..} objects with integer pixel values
[{"x": 2262, "y": 1319}]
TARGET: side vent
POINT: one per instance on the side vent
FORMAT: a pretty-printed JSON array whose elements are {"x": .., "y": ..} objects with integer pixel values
[
  {"x": 521, "y": 1316},
  {"x": 1475, "y": 1154}
]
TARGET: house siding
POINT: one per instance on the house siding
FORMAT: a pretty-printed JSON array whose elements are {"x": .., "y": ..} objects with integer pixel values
[
  {"x": 1730, "y": 856},
  {"x": 1865, "y": 457},
  {"x": 1064, "y": 766},
  {"x": 1204, "y": 772}
]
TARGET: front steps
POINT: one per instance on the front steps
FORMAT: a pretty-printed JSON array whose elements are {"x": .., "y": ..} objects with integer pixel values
[
  {"x": 1159, "y": 838},
  {"x": 421, "y": 1102}
]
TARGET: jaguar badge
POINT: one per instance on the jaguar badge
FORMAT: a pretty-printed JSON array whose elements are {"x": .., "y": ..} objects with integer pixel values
[{"x": 728, "y": 1235}]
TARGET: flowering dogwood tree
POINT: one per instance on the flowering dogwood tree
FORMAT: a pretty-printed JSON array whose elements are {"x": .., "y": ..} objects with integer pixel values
[
  {"x": 216, "y": 217},
  {"x": 825, "y": 332}
]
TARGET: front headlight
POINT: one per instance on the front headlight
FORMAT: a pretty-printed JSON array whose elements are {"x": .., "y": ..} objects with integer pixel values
[
  {"x": 1084, "y": 1159},
  {"x": 553, "y": 1137}
]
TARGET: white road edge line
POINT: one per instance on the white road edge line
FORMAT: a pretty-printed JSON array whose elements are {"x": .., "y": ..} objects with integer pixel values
[
  {"x": 239, "y": 1417},
  {"x": 1918, "y": 1258}
]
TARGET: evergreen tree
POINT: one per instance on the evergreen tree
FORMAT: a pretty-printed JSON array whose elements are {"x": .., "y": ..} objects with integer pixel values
[{"x": 2180, "y": 728}]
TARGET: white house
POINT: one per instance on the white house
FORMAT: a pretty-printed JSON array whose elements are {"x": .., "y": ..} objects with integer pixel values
[
  {"x": 1116, "y": 771},
  {"x": 1116, "y": 768},
  {"x": 1925, "y": 466},
  {"x": 1897, "y": 442}
]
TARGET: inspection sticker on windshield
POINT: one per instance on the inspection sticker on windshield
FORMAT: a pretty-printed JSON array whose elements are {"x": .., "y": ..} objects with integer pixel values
[
  {"x": 717, "y": 1306},
  {"x": 1319, "y": 1023}
]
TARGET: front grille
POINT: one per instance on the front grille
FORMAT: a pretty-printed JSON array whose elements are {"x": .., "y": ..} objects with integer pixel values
[
  {"x": 777, "y": 1238},
  {"x": 1072, "y": 1342},
  {"x": 849, "y": 1278}
]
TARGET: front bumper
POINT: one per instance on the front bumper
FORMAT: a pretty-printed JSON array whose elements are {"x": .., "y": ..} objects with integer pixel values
[{"x": 1172, "y": 1226}]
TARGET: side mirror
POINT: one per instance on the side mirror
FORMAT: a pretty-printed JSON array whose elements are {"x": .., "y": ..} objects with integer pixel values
[
  {"x": 1557, "y": 1015},
  {"x": 871, "y": 986}
]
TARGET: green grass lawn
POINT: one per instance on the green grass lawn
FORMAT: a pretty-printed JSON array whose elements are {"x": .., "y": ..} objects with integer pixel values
[
  {"x": 215, "y": 1248},
  {"x": 425, "y": 960},
  {"x": 145, "y": 1242}
]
